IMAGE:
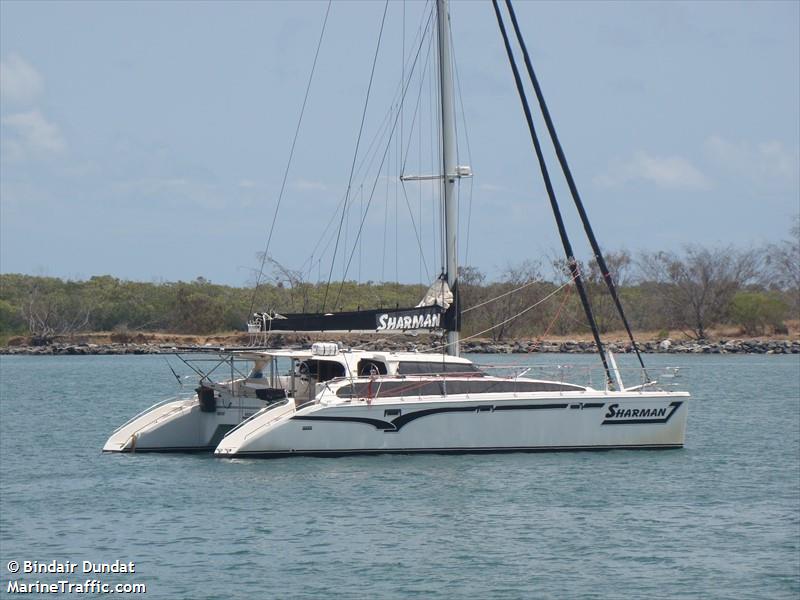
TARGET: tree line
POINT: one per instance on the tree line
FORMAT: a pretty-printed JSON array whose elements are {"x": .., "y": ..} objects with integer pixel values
[{"x": 757, "y": 290}]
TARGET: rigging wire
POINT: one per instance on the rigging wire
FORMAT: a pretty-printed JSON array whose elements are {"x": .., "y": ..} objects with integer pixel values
[
  {"x": 416, "y": 233},
  {"x": 440, "y": 166},
  {"x": 433, "y": 166},
  {"x": 369, "y": 156},
  {"x": 402, "y": 74},
  {"x": 469, "y": 149},
  {"x": 503, "y": 295},
  {"x": 417, "y": 106},
  {"x": 399, "y": 142},
  {"x": 509, "y": 319},
  {"x": 383, "y": 160},
  {"x": 562, "y": 159},
  {"x": 405, "y": 155},
  {"x": 456, "y": 295},
  {"x": 422, "y": 30},
  {"x": 361, "y": 225},
  {"x": 361, "y": 215},
  {"x": 400, "y": 138},
  {"x": 385, "y": 123},
  {"x": 572, "y": 263},
  {"x": 328, "y": 229},
  {"x": 385, "y": 226},
  {"x": 437, "y": 161},
  {"x": 561, "y": 306},
  {"x": 289, "y": 162},
  {"x": 355, "y": 154},
  {"x": 421, "y": 190},
  {"x": 384, "y": 127}
]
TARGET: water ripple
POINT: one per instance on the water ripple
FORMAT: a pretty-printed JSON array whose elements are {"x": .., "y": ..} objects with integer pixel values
[{"x": 719, "y": 519}]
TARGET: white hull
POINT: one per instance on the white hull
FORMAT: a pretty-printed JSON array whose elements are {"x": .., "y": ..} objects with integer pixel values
[
  {"x": 489, "y": 423},
  {"x": 181, "y": 426}
]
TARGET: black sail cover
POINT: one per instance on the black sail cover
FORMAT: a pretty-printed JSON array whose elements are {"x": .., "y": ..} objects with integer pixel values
[{"x": 398, "y": 320}]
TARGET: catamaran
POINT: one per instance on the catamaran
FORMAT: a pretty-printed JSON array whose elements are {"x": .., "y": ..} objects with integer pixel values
[
  {"x": 331, "y": 400},
  {"x": 382, "y": 402}
]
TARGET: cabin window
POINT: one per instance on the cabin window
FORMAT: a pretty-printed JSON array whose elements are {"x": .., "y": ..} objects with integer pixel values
[
  {"x": 507, "y": 386},
  {"x": 368, "y": 367},
  {"x": 426, "y": 368},
  {"x": 321, "y": 370},
  {"x": 387, "y": 389}
]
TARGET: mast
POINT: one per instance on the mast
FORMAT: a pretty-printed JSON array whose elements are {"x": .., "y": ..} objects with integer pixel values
[{"x": 449, "y": 166}]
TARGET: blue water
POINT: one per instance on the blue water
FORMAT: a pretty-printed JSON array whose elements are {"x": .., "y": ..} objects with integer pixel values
[{"x": 718, "y": 519}]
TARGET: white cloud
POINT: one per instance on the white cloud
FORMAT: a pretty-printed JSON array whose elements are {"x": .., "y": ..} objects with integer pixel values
[
  {"x": 247, "y": 184},
  {"x": 673, "y": 172},
  {"x": 172, "y": 191},
  {"x": 173, "y": 182},
  {"x": 29, "y": 134},
  {"x": 310, "y": 186},
  {"x": 763, "y": 161},
  {"x": 20, "y": 83}
]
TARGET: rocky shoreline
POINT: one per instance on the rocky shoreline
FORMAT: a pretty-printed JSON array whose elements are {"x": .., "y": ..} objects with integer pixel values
[
  {"x": 722, "y": 346},
  {"x": 652, "y": 347}
]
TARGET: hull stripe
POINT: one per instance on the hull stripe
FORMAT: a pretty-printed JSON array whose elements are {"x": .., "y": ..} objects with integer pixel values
[
  {"x": 398, "y": 423},
  {"x": 508, "y": 449},
  {"x": 184, "y": 449}
]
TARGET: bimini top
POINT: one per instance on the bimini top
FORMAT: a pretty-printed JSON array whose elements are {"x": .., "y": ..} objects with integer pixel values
[{"x": 328, "y": 350}]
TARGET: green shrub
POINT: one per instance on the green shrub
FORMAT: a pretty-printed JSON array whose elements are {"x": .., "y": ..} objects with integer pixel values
[
  {"x": 755, "y": 312},
  {"x": 11, "y": 320}
]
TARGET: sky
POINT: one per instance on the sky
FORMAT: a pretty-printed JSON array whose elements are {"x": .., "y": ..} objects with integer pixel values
[{"x": 149, "y": 140}]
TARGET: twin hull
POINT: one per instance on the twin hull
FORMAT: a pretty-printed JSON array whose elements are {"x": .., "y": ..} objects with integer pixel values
[
  {"x": 568, "y": 421},
  {"x": 181, "y": 426}
]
